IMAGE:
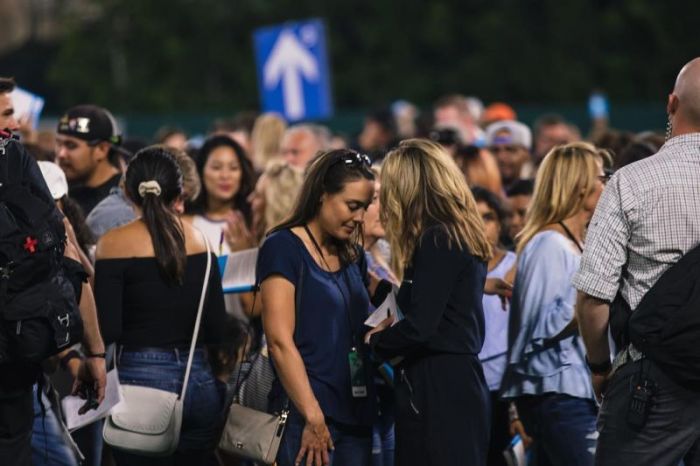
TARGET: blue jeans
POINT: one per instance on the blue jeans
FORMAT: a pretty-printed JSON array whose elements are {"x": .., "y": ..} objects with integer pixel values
[
  {"x": 351, "y": 449},
  {"x": 203, "y": 407},
  {"x": 563, "y": 428},
  {"x": 383, "y": 438},
  {"x": 49, "y": 447}
]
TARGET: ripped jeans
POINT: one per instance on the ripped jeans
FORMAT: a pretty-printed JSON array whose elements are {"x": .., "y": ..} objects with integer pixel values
[{"x": 563, "y": 428}]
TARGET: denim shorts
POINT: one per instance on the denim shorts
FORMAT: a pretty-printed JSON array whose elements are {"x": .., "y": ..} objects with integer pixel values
[{"x": 165, "y": 370}]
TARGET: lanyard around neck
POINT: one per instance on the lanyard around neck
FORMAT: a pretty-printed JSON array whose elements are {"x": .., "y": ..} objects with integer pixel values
[
  {"x": 571, "y": 236},
  {"x": 340, "y": 288}
]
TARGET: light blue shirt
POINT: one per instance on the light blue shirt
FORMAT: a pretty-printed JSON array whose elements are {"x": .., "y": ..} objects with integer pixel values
[
  {"x": 493, "y": 353},
  {"x": 113, "y": 211},
  {"x": 543, "y": 304}
]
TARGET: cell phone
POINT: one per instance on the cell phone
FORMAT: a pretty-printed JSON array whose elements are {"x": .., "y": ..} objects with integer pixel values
[
  {"x": 90, "y": 395},
  {"x": 598, "y": 106},
  {"x": 640, "y": 403}
]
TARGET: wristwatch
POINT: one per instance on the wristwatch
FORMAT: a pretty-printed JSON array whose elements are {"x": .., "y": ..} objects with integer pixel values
[{"x": 599, "y": 368}]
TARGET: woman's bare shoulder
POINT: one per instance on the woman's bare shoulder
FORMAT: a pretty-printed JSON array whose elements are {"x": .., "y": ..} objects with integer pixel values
[
  {"x": 130, "y": 240},
  {"x": 194, "y": 239}
]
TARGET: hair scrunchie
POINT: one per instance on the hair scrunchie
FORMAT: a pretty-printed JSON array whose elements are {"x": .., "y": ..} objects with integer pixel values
[{"x": 149, "y": 187}]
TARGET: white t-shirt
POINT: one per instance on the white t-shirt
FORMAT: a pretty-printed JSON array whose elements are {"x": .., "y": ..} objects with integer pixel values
[
  {"x": 213, "y": 229},
  {"x": 493, "y": 354}
]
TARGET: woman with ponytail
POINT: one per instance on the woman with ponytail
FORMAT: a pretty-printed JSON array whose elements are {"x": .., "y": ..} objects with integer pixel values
[{"x": 148, "y": 279}]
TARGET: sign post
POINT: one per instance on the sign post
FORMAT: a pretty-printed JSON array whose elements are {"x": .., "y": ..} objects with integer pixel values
[{"x": 292, "y": 66}]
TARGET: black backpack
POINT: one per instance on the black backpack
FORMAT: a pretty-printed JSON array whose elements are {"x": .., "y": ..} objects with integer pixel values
[
  {"x": 39, "y": 314},
  {"x": 666, "y": 324}
]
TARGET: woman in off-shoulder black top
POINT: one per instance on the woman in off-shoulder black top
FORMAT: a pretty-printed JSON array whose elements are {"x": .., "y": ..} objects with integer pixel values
[
  {"x": 148, "y": 281},
  {"x": 138, "y": 309}
]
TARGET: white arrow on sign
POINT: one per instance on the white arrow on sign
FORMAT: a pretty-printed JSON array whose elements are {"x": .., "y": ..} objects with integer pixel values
[{"x": 289, "y": 60}]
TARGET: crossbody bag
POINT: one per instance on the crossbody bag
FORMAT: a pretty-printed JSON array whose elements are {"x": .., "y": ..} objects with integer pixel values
[{"x": 148, "y": 422}]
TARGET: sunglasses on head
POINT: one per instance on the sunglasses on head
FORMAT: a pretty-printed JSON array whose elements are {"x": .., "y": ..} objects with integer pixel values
[{"x": 354, "y": 159}]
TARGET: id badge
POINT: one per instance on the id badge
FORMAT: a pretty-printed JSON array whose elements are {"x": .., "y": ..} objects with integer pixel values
[{"x": 358, "y": 380}]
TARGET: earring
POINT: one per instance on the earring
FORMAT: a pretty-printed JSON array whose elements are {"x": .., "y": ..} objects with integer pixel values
[{"x": 669, "y": 128}]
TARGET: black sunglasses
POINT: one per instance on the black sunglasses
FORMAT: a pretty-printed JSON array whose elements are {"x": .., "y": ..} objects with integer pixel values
[{"x": 353, "y": 159}]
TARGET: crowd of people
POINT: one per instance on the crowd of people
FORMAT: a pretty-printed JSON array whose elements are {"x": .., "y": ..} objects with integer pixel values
[{"x": 504, "y": 245}]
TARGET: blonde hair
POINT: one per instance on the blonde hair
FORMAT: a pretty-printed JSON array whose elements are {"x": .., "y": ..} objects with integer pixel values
[
  {"x": 566, "y": 176},
  {"x": 266, "y": 138},
  {"x": 191, "y": 183},
  {"x": 282, "y": 186},
  {"x": 421, "y": 185}
]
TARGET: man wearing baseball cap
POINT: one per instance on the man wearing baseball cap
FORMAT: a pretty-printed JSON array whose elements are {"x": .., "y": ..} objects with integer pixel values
[
  {"x": 87, "y": 149},
  {"x": 510, "y": 142}
]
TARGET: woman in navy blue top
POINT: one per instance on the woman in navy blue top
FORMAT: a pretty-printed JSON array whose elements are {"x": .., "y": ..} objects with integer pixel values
[
  {"x": 438, "y": 243},
  {"x": 312, "y": 261}
]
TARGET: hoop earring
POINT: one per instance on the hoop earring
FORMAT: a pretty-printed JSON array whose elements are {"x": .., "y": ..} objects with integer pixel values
[{"x": 669, "y": 128}]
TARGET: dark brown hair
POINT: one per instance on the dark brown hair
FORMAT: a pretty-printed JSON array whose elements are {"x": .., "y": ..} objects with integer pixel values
[
  {"x": 240, "y": 199},
  {"x": 157, "y": 163},
  {"x": 328, "y": 174},
  {"x": 7, "y": 85}
]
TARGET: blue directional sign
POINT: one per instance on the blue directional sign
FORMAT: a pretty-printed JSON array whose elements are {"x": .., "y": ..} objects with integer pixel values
[{"x": 292, "y": 65}]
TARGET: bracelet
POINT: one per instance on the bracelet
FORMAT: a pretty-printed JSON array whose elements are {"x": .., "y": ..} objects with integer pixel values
[
  {"x": 72, "y": 354},
  {"x": 96, "y": 355},
  {"x": 599, "y": 368}
]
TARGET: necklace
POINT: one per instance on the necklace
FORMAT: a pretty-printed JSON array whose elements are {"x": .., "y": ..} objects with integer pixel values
[{"x": 571, "y": 236}]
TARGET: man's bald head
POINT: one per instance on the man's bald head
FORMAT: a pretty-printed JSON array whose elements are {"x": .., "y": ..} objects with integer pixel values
[{"x": 684, "y": 102}]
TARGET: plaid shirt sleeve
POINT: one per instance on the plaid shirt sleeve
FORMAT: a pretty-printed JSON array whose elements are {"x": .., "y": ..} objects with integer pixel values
[{"x": 605, "y": 253}]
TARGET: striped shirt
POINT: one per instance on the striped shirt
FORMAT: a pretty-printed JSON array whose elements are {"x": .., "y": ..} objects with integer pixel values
[{"x": 648, "y": 217}]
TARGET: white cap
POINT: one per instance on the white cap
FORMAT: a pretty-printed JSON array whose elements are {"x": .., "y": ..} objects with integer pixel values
[
  {"x": 516, "y": 133},
  {"x": 55, "y": 179}
]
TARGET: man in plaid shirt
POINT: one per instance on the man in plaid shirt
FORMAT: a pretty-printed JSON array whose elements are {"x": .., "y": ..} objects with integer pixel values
[{"x": 646, "y": 220}]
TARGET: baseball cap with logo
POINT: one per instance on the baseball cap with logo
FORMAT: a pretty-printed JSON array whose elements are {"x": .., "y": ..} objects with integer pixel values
[
  {"x": 90, "y": 123},
  {"x": 509, "y": 132}
]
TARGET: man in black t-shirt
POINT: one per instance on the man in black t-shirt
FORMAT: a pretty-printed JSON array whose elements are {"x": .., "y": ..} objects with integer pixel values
[{"x": 87, "y": 149}]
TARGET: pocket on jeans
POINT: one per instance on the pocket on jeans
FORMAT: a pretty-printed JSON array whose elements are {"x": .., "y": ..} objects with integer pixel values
[
  {"x": 203, "y": 403},
  {"x": 616, "y": 397},
  {"x": 621, "y": 379},
  {"x": 166, "y": 385}
]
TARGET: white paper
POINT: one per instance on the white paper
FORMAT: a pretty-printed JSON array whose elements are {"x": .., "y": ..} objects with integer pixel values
[
  {"x": 515, "y": 453},
  {"x": 113, "y": 397},
  {"x": 27, "y": 105},
  {"x": 240, "y": 270},
  {"x": 386, "y": 309}
]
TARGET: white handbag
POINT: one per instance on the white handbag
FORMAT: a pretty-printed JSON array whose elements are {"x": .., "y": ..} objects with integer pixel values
[{"x": 148, "y": 421}]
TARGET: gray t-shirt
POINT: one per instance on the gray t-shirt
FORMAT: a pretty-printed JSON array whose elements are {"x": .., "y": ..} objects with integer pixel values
[{"x": 112, "y": 212}]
